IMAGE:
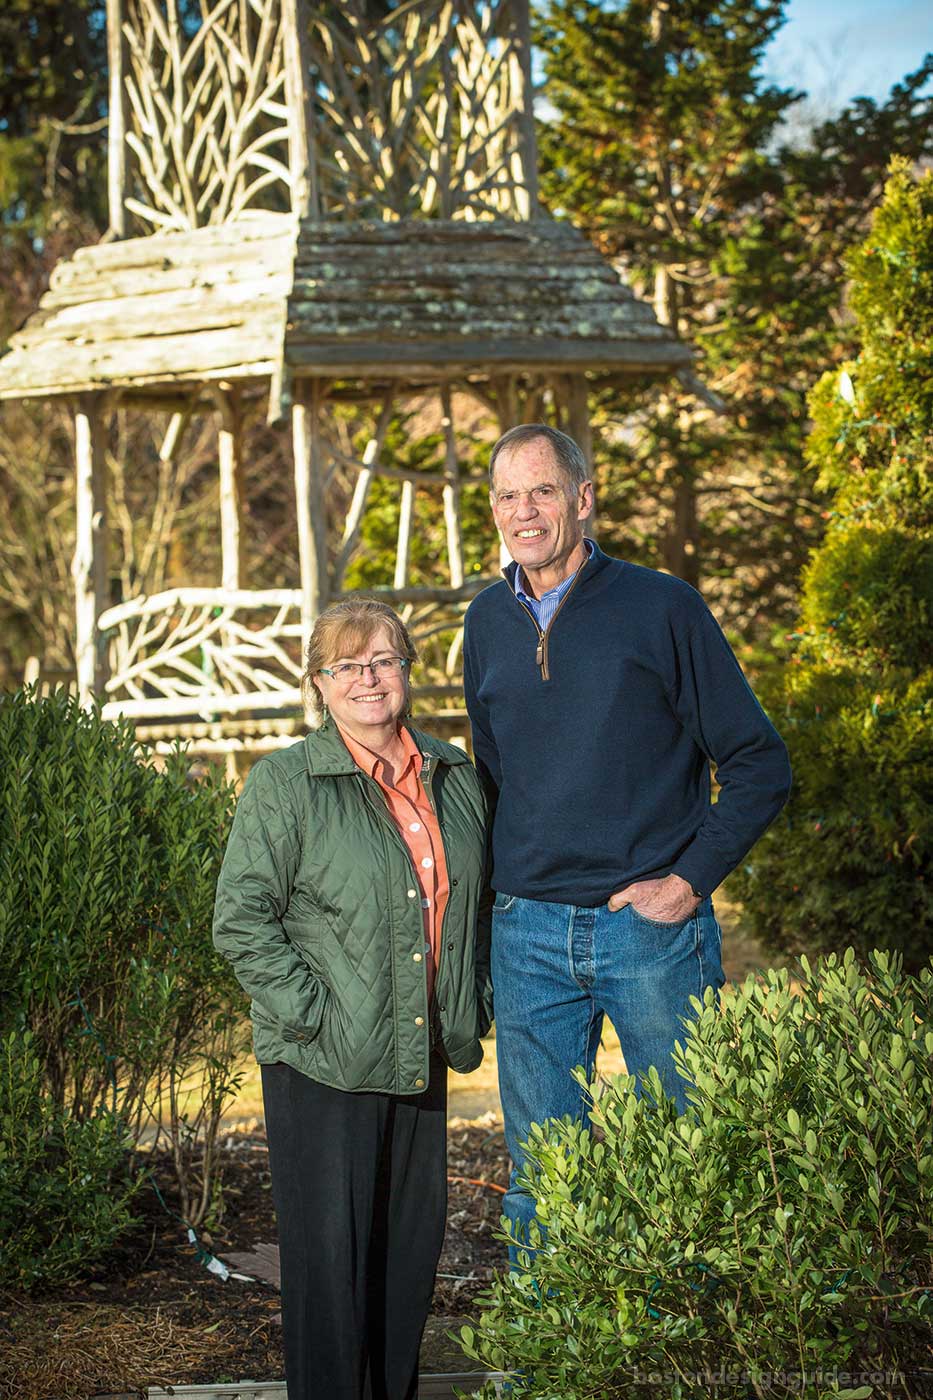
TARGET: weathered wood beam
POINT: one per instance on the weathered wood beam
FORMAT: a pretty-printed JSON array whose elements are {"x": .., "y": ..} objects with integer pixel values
[
  {"x": 205, "y": 702},
  {"x": 399, "y": 473},
  {"x": 472, "y": 584},
  {"x": 581, "y": 430},
  {"x": 174, "y": 433},
  {"x": 429, "y": 355},
  {"x": 307, "y": 449},
  {"x": 247, "y": 744},
  {"x": 505, "y": 393},
  {"x": 452, "y": 520},
  {"x": 504, "y": 389},
  {"x": 302, "y": 144},
  {"x": 117, "y": 115},
  {"x": 285, "y": 728},
  {"x": 66, "y": 368},
  {"x": 403, "y": 547},
  {"x": 526, "y": 112},
  {"x": 89, "y": 569},
  {"x": 199, "y": 597},
  {"x": 229, "y": 448}
]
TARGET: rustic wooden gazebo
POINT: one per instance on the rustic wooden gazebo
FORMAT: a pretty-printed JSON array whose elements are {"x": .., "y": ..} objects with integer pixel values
[{"x": 317, "y": 204}]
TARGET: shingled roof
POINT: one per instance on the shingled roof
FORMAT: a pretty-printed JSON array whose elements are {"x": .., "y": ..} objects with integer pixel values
[{"x": 240, "y": 300}]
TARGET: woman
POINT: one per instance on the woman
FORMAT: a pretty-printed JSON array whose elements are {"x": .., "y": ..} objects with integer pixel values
[{"x": 349, "y": 905}]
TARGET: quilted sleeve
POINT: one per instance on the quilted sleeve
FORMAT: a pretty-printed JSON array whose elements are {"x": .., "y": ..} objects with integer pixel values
[
  {"x": 253, "y": 891},
  {"x": 484, "y": 989}
]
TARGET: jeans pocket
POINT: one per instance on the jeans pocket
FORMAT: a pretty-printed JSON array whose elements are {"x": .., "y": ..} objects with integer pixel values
[
  {"x": 503, "y": 902},
  {"x": 658, "y": 923}
]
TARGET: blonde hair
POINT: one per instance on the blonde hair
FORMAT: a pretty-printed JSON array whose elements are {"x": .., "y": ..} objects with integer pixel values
[{"x": 343, "y": 629}]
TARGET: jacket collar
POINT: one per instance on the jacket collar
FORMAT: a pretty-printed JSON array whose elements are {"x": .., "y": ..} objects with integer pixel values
[{"x": 328, "y": 756}]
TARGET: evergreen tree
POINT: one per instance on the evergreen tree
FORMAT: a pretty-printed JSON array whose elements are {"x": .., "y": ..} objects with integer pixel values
[
  {"x": 851, "y": 858},
  {"x": 666, "y": 149},
  {"x": 53, "y": 139}
]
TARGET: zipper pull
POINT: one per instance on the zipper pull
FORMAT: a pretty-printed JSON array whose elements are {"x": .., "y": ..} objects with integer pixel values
[{"x": 539, "y": 654}]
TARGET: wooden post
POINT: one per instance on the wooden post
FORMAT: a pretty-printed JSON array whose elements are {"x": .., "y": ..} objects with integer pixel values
[
  {"x": 309, "y": 500},
  {"x": 302, "y": 151},
  {"x": 505, "y": 390},
  {"x": 526, "y": 116},
  {"x": 452, "y": 493},
  {"x": 90, "y": 564},
  {"x": 116, "y": 129},
  {"x": 405, "y": 513},
  {"x": 231, "y": 488},
  {"x": 580, "y": 429}
]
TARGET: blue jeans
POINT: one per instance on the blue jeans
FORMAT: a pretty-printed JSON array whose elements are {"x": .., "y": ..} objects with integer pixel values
[{"x": 557, "y": 970}]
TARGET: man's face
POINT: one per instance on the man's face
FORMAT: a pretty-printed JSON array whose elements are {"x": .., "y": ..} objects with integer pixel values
[{"x": 540, "y": 531}]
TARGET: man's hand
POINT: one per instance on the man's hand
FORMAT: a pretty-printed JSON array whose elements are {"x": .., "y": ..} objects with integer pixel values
[{"x": 669, "y": 900}]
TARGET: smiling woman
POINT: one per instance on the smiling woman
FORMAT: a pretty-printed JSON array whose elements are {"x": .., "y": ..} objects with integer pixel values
[
  {"x": 358, "y": 664},
  {"x": 352, "y": 904}
]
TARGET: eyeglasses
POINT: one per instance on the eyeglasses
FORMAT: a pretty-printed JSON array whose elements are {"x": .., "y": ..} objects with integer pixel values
[
  {"x": 539, "y": 495},
  {"x": 347, "y": 671}
]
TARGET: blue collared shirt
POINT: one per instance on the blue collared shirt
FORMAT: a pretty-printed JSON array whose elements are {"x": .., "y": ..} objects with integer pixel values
[{"x": 544, "y": 608}]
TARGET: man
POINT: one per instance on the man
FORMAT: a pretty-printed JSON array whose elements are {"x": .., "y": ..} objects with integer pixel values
[{"x": 598, "y": 693}]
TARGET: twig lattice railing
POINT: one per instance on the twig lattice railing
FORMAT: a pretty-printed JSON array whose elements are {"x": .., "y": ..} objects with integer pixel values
[{"x": 206, "y": 650}]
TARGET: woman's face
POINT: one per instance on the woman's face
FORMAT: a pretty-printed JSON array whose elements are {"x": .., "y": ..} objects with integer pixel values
[{"x": 367, "y": 703}]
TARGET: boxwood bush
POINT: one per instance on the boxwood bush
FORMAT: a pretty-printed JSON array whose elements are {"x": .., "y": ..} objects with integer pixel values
[
  {"x": 113, "y": 1003},
  {"x": 66, "y": 1185},
  {"x": 775, "y": 1240}
]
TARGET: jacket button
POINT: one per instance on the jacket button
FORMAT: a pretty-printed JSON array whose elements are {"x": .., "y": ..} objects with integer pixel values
[
  {"x": 416, "y": 957},
  {"x": 419, "y": 1083},
  {"x": 455, "y": 883},
  {"x": 412, "y": 894},
  {"x": 450, "y": 947},
  {"x": 419, "y": 1020}
]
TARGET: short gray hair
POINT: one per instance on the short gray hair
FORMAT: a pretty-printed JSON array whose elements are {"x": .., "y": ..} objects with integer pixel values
[{"x": 569, "y": 456}]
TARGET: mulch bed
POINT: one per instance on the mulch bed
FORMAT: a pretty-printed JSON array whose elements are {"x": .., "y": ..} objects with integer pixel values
[{"x": 151, "y": 1314}]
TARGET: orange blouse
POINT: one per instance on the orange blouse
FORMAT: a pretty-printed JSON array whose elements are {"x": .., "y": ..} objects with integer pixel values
[{"x": 411, "y": 811}]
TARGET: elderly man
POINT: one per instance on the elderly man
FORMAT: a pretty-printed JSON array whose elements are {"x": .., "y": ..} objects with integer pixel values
[{"x": 598, "y": 693}]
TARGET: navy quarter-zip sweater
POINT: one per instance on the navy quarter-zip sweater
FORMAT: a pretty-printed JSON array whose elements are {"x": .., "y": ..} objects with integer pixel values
[{"x": 594, "y": 742}]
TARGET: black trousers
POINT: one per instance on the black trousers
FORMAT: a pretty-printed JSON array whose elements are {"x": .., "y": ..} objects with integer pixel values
[{"x": 359, "y": 1183}]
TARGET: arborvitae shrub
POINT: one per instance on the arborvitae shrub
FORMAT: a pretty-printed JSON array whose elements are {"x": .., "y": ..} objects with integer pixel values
[{"x": 849, "y": 860}]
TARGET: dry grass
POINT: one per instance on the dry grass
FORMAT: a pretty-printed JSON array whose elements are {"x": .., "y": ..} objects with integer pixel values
[{"x": 72, "y": 1351}]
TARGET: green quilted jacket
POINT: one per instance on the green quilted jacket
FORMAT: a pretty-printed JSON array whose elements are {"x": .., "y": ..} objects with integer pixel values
[{"x": 320, "y": 913}]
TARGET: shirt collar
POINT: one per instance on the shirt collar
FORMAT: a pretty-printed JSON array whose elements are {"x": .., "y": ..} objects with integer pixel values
[
  {"x": 370, "y": 762},
  {"x": 518, "y": 582}
]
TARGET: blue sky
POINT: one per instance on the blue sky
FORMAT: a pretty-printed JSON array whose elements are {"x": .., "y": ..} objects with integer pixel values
[{"x": 856, "y": 49}]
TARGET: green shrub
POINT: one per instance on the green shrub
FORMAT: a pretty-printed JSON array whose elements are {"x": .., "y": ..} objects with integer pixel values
[
  {"x": 850, "y": 860},
  {"x": 108, "y": 863},
  {"x": 64, "y": 1190},
  {"x": 782, "y": 1226}
]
